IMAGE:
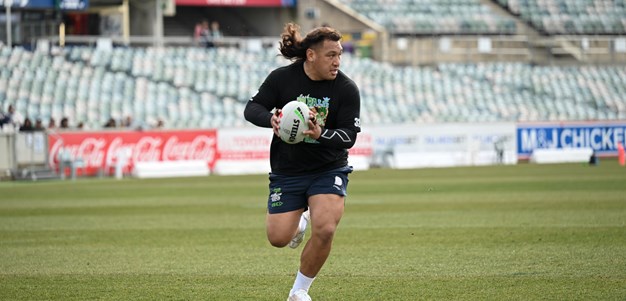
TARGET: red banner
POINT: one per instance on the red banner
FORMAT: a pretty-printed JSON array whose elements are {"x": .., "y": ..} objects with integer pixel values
[
  {"x": 252, "y": 3},
  {"x": 101, "y": 150}
]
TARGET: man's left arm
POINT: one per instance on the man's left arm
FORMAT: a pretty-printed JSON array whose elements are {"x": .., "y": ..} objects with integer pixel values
[{"x": 348, "y": 125}]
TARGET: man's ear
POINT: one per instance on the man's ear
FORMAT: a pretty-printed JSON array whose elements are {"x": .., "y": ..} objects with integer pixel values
[{"x": 310, "y": 55}]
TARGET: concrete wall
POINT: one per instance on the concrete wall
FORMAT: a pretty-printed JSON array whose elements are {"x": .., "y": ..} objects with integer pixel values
[{"x": 430, "y": 50}]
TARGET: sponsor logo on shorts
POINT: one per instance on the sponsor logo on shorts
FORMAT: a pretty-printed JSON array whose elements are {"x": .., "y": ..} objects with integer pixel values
[
  {"x": 338, "y": 183},
  {"x": 275, "y": 197}
]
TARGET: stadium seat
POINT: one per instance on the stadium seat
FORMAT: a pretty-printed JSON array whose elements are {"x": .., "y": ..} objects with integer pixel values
[
  {"x": 571, "y": 17},
  {"x": 434, "y": 16},
  {"x": 192, "y": 90}
]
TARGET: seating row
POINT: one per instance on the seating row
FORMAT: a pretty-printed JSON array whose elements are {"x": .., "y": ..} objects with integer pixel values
[{"x": 208, "y": 88}]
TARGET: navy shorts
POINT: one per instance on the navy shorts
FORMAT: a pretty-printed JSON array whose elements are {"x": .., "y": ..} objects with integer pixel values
[{"x": 289, "y": 193}]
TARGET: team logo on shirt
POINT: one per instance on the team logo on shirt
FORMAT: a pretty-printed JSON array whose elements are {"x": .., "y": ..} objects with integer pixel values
[{"x": 319, "y": 107}]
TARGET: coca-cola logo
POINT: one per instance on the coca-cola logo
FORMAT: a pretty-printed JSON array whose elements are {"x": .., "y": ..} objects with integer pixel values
[
  {"x": 200, "y": 148},
  {"x": 91, "y": 150},
  {"x": 147, "y": 148},
  {"x": 105, "y": 151}
]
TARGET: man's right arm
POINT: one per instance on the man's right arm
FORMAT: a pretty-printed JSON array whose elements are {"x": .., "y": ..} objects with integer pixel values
[
  {"x": 257, "y": 114},
  {"x": 259, "y": 107}
]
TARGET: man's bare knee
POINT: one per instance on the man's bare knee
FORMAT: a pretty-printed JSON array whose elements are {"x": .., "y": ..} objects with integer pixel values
[
  {"x": 325, "y": 233},
  {"x": 278, "y": 241}
]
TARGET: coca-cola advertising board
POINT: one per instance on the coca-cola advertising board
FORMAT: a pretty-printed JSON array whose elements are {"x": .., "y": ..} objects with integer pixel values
[{"x": 101, "y": 150}]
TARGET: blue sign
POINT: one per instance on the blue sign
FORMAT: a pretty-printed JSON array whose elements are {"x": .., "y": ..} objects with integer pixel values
[
  {"x": 29, "y": 3},
  {"x": 72, "y": 4},
  {"x": 43, "y": 4},
  {"x": 603, "y": 138}
]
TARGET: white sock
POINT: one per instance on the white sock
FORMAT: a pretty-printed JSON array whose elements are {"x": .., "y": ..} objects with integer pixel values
[
  {"x": 302, "y": 282},
  {"x": 303, "y": 224}
]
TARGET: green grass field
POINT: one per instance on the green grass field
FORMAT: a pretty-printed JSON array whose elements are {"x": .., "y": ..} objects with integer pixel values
[{"x": 525, "y": 232}]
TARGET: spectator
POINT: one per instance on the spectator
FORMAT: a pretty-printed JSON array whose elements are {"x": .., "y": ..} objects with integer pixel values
[
  {"x": 213, "y": 34},
  {"x": 160, "y": 124},
  {"x": 197, "y": 32},
  {"x": 27, "y": 126},
  {"x": 52, "y": 124},
  {"x": 201, "y": 33},
  {"x": 81, "y": 125},
  {"x": 39, "y": 125},
  {"x": 13, "y": 117},
  {"x": 216, "y": 32},
  {"x": 3, "y": 119},
  {"x": 65, "y": 124},
  {"x": 111, "y": 123},
  {"x": 128, "y": 122}
]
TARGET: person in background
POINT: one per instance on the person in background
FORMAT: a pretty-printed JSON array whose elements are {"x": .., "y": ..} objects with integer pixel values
[
  {"x": 27, "y": 126},
  {"x": 216, "y": 32},
  {"x": 308, "y": 180},
  {"x": 65, "y": 123},
  {"x": 130, "y": 123},
  {"x": 13, "y": 117},
  {"x": 52, "y": 124},
  {"x": 201, "y": 33},
  {"x": 3, "y": 119},
  {"x": 39, "y": 125},
  {"x": 159, "y": 124},
  {"x": 111, "y": 123}
]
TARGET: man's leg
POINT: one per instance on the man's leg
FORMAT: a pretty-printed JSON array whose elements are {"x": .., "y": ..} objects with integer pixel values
[
  {"x": 326, "y": 212},
  {"x": 282, "y": 227}
]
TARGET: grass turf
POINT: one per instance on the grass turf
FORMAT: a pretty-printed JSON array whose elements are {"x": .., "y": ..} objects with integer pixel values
[{"x": 525, "y": 232}]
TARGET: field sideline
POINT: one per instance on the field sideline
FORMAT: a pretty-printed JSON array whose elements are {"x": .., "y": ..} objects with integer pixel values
[{"x": 525, "y": 232}]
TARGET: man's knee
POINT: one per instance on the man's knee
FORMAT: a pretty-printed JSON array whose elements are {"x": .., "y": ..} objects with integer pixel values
[
  {"x": 325, "y": 233},
  {"x": 278, "y": 240}
]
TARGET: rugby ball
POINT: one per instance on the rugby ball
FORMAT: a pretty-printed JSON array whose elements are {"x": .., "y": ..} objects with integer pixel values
[{"x": 294, "y": 118}]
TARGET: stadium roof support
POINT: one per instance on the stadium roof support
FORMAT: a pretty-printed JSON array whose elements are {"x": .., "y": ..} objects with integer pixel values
[
  {"x": 346, "y": 9},
  {"x": 8, "y": 22},
  {"x": 346, "y": 19}
]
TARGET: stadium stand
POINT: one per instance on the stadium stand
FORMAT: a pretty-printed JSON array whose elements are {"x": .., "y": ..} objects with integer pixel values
[
  {"x": 434, "y": 16},
  {"x": 208, "y": 88},
  {"x": 470, "y": 62},
  {"x": 571, "y": 16}
]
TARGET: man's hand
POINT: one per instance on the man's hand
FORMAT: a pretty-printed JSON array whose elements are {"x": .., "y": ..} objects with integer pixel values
[
  {"x": 276, "y": 121},
  {"x": 315, "y": 130}
]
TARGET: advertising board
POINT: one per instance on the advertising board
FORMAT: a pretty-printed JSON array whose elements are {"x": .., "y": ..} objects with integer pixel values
[
  {"x": 47, "y": 4},
  {"x": 442, "y": 145},
  {"x": 101, "y": 150},
  {"x": 601, "y": 137}
]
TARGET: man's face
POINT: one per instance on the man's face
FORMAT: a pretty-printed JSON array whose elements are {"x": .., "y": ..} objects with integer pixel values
[{"x": 326, "y": 59}]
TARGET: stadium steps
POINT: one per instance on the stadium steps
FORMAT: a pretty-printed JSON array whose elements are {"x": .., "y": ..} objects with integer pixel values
[
  {"x": 355, "y": 15},
  {"x": 522, "y": 27},
  {"x": 538, "y": 51}
]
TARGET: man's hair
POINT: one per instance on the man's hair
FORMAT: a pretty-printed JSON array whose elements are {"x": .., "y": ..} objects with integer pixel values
[{"x": 293, "y": 46}]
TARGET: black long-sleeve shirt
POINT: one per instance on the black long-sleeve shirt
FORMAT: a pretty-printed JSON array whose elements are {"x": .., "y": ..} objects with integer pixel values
[{"x": 337, "y": 103}]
